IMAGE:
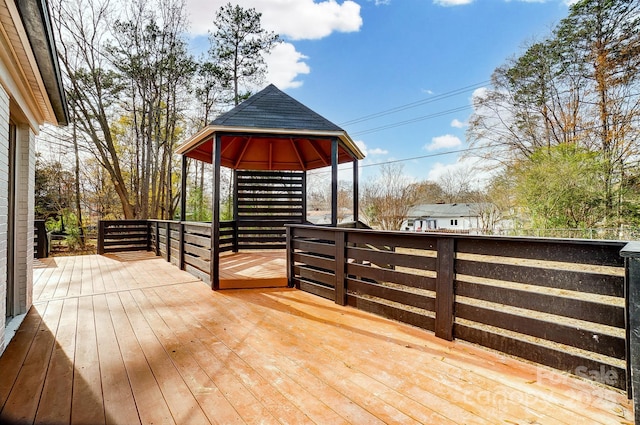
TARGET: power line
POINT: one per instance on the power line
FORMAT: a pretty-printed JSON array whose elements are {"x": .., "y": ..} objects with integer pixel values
[
  {"x": 415, "y": 104},
  {"x": 432, "y": 155},
  {"x": 413, "y": 120}
]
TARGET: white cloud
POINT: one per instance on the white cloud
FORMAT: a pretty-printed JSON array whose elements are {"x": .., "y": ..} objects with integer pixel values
[
  {"x": 284, "y": 65},
  {"x": 378, "y": 151},
  {"x": 366, "y": 151},
  {"x": 479, "y": 93},
  {"x": 441, "y": 142},
  {"x": 456, "y": 123},
  {"x": 427, "y": 91},
  {"x": 362, "y": 146},
  {"x": 294, "y": 19},
  {"x": 474, "y": 169},
  {"x": 452, "y": 2}
]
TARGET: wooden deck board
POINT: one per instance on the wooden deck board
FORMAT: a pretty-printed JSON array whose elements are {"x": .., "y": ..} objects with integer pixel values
[
  {"x": 253, "y": 270},
  {"x": 22, "y": 404},
  {"x": 125, "y": 339},
  {"x": 55, "y": 406}
]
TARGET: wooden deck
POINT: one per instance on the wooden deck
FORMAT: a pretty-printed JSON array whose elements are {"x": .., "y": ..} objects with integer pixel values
[
  {"x": 131, "y": 339},
  {"x": 257, "y": 269}
]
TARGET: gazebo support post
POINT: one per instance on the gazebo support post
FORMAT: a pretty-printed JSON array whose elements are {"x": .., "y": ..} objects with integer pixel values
[
  {"x": 214, "y": 265},
  {"x": 334, "y": 182},
  {"x": 183, "y": 189},
  {"x": 356, "y": 190},
  {"x": 235, "y": 211},
  {"x": 183, "y": 210},
  {"x": 304, "y": 197}
]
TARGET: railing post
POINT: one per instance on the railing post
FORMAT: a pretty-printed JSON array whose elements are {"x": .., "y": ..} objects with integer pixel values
[
  {"x": 148, "y": 235},
  {"x": 289, "y": 255},
  {"x": 341, "y": 293},
  {"x": 235, "y": 235},
  {"x": 631, "y": 253},
  {"x": 167, "y": 240},
  {"x": 181, "y": 246},
  {"x": 42, "y": 249},
  {"x": 445, "y": 275},
  {"x": 101, "y": 225},
  {"x": 157, "y": 229}
]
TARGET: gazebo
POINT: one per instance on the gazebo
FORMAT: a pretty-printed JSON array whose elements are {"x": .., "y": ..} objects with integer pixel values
[{"x": 271, "y": 140}]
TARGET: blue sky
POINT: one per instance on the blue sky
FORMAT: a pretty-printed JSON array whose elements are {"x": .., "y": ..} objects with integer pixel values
[{"x": 350, "y": 59}]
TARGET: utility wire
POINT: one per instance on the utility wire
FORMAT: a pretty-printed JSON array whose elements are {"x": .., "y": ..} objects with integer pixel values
[
  {"x": 432, "y": 155},
  {"x": 415, "y": 104},
  {"x": 412, "y": 120}
]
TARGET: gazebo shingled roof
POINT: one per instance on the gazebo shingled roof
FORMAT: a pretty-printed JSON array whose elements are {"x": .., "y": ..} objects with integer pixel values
[{"x": 272, "y": 131}]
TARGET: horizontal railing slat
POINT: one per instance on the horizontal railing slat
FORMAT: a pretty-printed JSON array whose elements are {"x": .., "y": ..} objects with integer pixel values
[
  {"x": 314, "y": 288},
  {"x": 313, "y": 260},
  {"x": 602, "y": 253},
  {"x": 594, "y": 312},
  {"x": 564, "y": 334},
  {"x": 197, "y": 251},
  {"x": 315, "y": 247},
  {"x": 392, "y": 276},
  {"x": 316, "y": 275},
  {"x": 404, "y": 240},
  {"x": 570, "y": 280},
  {"x": 391, "y": 312},
  {"x": 397, "y": 259},
  {"x": 560, "y": 360},
  {"x": 360, "y": 288}
]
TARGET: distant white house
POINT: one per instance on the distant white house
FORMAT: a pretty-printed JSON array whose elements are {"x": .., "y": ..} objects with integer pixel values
[{"x": 457, "y": 217}]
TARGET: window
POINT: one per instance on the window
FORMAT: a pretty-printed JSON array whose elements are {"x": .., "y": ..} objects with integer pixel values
[{"x": 454, "y": 222}]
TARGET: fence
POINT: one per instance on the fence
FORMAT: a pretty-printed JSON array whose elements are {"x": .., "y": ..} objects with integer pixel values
[
  {"x": 560, "y": 303},
  {"x": 123, "y": 235},
  {"x": 40, "y": 240}
]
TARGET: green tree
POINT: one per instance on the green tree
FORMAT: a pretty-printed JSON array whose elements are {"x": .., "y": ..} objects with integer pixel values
[
  {"x": 54, "y": 189},
  {"x": 580, "y": 86},
  {"x": 238, "y": 46},
  {"x": 605, "y": 38},
  {"x": 561, "y": 187}
]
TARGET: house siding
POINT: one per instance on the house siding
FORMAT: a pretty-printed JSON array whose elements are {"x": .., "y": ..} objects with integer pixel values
[
  {"x": 4, "y": 206},
  {"x": 25, "y": 199}
]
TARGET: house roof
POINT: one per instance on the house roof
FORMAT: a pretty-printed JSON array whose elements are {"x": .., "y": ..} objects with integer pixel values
[
  {"x": 272, "y": 131},
  {"x": 445, "y": 210},
  {"x": 37, "y": 23}
]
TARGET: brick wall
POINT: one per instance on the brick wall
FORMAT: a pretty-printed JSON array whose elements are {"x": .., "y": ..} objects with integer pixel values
[{"x": 4, "y": 191}]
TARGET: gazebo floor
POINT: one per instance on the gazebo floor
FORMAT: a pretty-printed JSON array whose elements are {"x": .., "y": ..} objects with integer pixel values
[
  {"x": 135, "y": 340},
  {"x": 256, "y": 269}
]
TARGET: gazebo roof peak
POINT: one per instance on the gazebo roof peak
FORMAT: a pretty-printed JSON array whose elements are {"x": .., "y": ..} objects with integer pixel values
[{"x": 272, "y": 108}]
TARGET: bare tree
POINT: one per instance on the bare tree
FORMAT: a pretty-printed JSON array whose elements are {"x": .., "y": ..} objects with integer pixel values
[
  {"x": 386, "y": 200},
  {"x": 92, "y": 90}
]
